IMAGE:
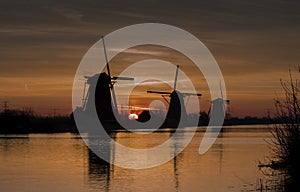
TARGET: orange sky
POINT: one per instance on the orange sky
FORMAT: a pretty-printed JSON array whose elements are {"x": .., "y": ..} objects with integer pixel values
[{"x": 254, "y": 43}]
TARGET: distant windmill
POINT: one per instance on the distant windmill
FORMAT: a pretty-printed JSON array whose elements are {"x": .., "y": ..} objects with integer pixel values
[
  {"x": 219, "y": 103},
  {"x": 176, "y": 104}
]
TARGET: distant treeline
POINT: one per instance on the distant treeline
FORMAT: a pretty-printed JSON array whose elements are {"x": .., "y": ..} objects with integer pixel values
[
  {"x": 24, "y": 121},
  {"x": 204, "y": 120}
]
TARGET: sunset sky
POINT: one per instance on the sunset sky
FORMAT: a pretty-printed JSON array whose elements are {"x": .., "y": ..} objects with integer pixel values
[{"x": 42, "y": 43}]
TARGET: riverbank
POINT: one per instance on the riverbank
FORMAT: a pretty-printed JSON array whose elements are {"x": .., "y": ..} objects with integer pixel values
[{"x": 24, "y": 122}]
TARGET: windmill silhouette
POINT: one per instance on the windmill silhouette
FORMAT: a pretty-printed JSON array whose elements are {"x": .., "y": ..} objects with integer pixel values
[
  {"x": 177, "y": 109},
  {"x": 219, "y": 106},
  {"x": 102, "y": 85}
]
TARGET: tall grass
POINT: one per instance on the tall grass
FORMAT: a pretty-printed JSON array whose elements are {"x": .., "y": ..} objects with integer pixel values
[{"x": 285, "y": 157}]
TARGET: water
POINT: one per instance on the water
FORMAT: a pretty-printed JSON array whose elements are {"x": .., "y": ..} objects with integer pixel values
[{"x": 62, "y": 162}]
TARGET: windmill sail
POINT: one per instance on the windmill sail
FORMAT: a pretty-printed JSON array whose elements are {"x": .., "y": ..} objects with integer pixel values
[{"x": 114, "y": 100}]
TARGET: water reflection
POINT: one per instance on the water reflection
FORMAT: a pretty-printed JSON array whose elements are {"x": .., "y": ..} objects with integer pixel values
[
  {"x": 98, "y": 170},
  {"x": 62, "y": 162},
  {"x": 103, "y": 175},
  {"x": 7, "y": 141}
]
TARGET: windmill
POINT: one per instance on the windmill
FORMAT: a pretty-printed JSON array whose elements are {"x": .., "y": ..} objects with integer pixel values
[
  {"x": 219, "y": 104},
  {"x": 177, "y": 109},
  {"x": 103, "y": 86},
  {"x": 226, "y": 103}
]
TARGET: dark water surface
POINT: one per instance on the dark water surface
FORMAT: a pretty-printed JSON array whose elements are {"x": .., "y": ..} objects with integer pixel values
[{"x": 62, "y": 162}]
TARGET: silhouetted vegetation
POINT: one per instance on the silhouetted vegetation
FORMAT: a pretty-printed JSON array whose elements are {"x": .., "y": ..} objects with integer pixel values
[
  {"x": 285, "y": 159},
  {"x": 15, "y": 120},
  {"x": 204, "y": 120},
  {"x": 24, "y": 122}
]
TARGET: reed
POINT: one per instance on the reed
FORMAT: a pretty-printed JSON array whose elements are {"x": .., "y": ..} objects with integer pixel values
[{"x": 285, "y": 143}]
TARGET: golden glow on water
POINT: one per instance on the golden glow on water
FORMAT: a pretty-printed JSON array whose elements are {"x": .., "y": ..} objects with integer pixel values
[
  {"x": 62, "y": 162},
  {"x": 41, "y": 162},
  {"x": 137, "y": 140}
]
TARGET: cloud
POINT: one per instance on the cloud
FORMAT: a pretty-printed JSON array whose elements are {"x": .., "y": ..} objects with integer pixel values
[{"x": 138, "y": 51}]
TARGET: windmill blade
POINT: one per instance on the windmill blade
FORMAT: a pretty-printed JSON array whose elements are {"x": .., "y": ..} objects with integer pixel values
[
  {"x": 176, "y": 76},
  {"x": 192, "y": 94},
  {"x": 164, "y": 97},
  {"x": 108, "y": 73},
  {"x": 85, "y": 100},
  {"x": 168, "y": 93},
  {"x": 123, "y": 78},
  {"x": 187, "y": 101},
  {"x": 208, "y": 112},
  {"x": 221, "y": 89},
  {"x": 83, "y": 95},
  {"x": 106, "y": 60},
  {"x": 160, "y": 92}
]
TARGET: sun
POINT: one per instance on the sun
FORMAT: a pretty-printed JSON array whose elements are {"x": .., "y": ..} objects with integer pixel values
[{"x": 133, "y": 116}]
